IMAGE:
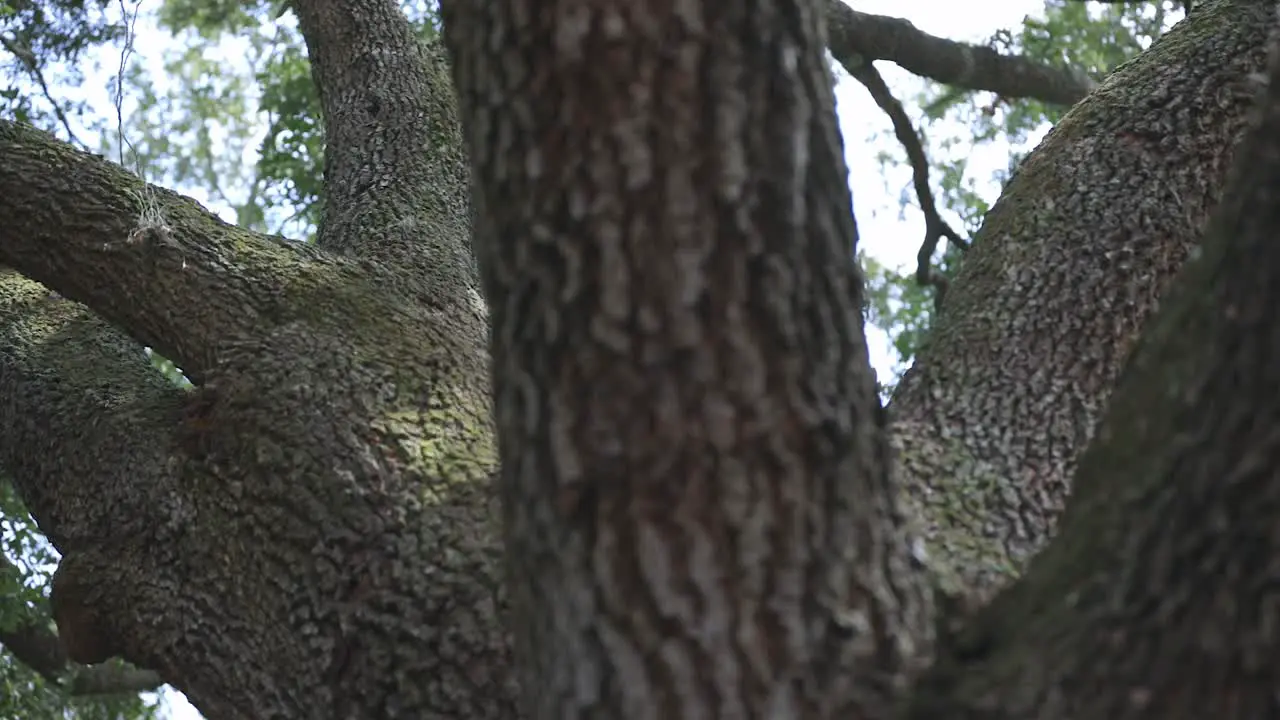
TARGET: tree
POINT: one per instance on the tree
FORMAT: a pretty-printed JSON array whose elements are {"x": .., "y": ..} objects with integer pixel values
[
  {"x": 1092, "y": 38},
  {"x": 311, "y": 531}
]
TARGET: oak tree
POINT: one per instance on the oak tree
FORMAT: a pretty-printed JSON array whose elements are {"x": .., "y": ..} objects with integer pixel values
[{"x": 700, "y": 505}]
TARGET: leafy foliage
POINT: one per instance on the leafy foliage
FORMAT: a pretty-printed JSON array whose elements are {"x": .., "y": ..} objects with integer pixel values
[{"x": 46, "y": 42}]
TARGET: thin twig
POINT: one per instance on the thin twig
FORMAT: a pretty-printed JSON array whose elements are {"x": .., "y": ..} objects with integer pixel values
[
  {"x": 935, "y": 227},
  {"x": 32, "y": 66},
  {"x": 126, "y": 52}
]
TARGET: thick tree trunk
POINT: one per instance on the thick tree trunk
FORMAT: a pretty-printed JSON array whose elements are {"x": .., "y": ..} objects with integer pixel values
[
  {"x": 693, "y": 455},
  {"x": 1068, "y": 266},
  {"x": 321, "y": 502}
]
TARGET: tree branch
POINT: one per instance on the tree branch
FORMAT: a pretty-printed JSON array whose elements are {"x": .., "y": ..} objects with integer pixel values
[
  {"x": 71, "y": 381},
  {"x": 32, "y": 64},
  {"x": 1056, "y": 259},
  {"x": 1156, "y": 599},
  {"x": 111, "y": 679},
  {"x": 39, "y": 648},
  {"x": 935, "y": 227},
  {"x": 87, "y": 434},
  {"x": 397, "y": 181},
  {"x": 142, "y": 257},
  {"x": 973, "y": 67}
]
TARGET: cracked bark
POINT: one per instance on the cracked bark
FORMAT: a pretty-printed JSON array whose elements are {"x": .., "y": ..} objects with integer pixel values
[
  {"x": 1068, "y": 266},
  {"x": 311, "y": 532},
  {"x": 621, "y": 557},
  {"x": 1157, "y": 600},
  {"x": 321, "y": 502},
  {"x": 707, "y": 531}
]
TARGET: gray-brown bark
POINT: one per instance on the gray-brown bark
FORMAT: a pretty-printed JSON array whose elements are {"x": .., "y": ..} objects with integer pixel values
[
  {"x": 36, "y": 645},
  {"x": 1157, "y": 600},
  {"x": 693, "y": 454},
  {"x": 321, "y": 503},
  {"x": 1067, "y": 267},
  {"x": 301, "y": 510},
  {"x": 310, "y": 534},
  {"x": 396, "y": 178}
]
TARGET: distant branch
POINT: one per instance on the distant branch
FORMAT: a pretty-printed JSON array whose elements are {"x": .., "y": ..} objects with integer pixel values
[
  {"x": 32, "y": 65},
  {"x": 935, "y": 227},
  {"x": 38, "y": 647},
  {"x": 387, "y": 95},
  {"x": 1186, "y": 4},
  {"x": 853, "y": 34}
]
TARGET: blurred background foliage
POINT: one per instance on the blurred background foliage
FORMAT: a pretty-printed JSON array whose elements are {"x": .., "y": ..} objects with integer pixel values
[{"x": 230, "y": 116}]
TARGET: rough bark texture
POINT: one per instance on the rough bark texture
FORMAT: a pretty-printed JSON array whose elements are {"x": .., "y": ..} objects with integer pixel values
[
  {"x": 321, "y": 503},
  {"x": 1157, "y": 600},
  {"x": 37, "y": 646},
  {"x": 693, "y": 455},
  {"x": 695, "y": 463},
  {"x": 1068, "y": 266},
  {"x": 397, "y": 185}
]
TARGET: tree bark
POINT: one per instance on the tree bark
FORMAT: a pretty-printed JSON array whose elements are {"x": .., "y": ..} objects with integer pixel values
[
  {"x": 1067, "y": 268},
  {"x": 694, "y": 468},
  {"x": 1157, "y": 600},
  {"x": 311, "y": 532}
]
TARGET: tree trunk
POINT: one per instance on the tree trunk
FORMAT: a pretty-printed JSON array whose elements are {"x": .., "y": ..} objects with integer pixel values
[
  {"x": 311, "y": 532},
  {"x": 693, "y": 454}
]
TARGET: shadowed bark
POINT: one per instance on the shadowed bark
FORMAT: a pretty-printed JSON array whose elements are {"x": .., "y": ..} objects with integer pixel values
[
  {"x": 693, "y": 452},
  {"x": 311, "y": 532},
  {"x": 1157, "y": 600},
  {"x": 628, "y": 507},
  {"x": 37, "y": 646},
  {"x": 1068, "y": 266},
  {"x": 320, "y": 503}
]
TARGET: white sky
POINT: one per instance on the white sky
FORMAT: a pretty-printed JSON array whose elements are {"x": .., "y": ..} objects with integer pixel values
[{"x": 886, "y": 232}]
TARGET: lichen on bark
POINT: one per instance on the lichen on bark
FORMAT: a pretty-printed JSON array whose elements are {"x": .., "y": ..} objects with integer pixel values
[
  {"x": 1069, "y": 264},
  {"x": 312, "y": 532}
]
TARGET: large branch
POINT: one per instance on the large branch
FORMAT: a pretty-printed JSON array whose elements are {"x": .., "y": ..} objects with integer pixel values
[
  {"x": 1064, "y": 272},
  {"x": 397, "y": 182},
  {"x": 853, "y": 34},
  {"x": 190, "y": 524},
  {"x": 1158, "y": 599},
  {"x": 142, "y": 257},
  {"x": 86, "y": 433},
  {"x": 71, "y": 381}
]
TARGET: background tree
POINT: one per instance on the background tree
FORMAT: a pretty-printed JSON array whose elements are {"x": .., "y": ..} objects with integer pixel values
[{"x": 977, "y": 453}]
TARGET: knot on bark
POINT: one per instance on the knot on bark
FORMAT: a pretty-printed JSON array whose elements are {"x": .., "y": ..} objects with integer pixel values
[{"x": 74, "y": 595}]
